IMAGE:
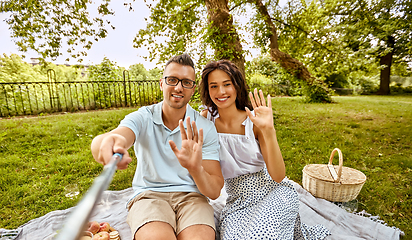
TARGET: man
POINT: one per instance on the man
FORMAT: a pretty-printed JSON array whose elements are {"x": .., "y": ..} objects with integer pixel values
[{"x": 170, "y": 185}]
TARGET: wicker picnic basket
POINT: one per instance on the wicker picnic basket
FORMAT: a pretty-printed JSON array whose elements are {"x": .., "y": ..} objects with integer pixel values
[{"x": 333, "y": 183}]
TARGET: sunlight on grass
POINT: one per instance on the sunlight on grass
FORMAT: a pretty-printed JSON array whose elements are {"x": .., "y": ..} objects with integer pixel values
[{"x": 375, "y": 136}]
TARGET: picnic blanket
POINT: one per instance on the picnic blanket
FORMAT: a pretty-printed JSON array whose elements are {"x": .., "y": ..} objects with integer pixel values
[{"x": 112, "y": 209}]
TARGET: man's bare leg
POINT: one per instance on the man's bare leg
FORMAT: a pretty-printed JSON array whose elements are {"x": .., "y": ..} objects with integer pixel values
[
  {"x": 155, "y": 231},
  {"x": 197, "y": 232}
]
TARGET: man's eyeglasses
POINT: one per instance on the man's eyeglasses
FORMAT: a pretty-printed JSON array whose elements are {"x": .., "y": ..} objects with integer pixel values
[{"x": 173, "y": 81}]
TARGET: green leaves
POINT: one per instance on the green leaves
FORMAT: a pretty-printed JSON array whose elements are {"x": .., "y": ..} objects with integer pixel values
[
  {"x": 14, "y": 69},
  {"x": 172, "y": 28},
  {"x": 105, "y": 71},
  {"x": 328, "y": 36},
  {"x": 47, "y": 26}
]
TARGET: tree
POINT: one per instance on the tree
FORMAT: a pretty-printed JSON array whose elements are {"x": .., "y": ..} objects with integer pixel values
[
  {"x": 155, "y": 74},
  {"x": 181, "y": 24},
  {"x": 41, "y": 25},
  {"x": 317, "y": 91},
  {"x": 305, "y": 33},
  {"x": 312, "y": 40},
  {"x": 192, "y": 26},
  {"x": 14, "y": 69},
  {"x": 383, "y": 27},
  {"x": 344, "y": 37},
  {"x": 105, "y": 71},
  {"x": 46, "y": 26},
  {"x": 138, "y": 72},
  {"x": 104, "y": 74},
  {"x": 222, "y": 34},
  {"x": 263, "y": 65}
]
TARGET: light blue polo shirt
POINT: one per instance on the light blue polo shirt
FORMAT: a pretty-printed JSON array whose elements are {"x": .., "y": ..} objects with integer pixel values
[{"x": 158, "y": 168}]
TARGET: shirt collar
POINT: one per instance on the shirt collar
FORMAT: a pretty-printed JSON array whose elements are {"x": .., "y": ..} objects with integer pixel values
[{"x": 157, "y": 114}]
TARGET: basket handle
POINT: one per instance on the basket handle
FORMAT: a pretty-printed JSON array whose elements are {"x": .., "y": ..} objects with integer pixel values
[{"x": 336, "y": 177}]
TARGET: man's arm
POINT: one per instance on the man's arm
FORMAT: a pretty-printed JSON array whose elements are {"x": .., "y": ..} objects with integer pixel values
[
  {"x": 209, "y": 180},
  {"x": 206, "y": 173},
  {"x": 117, "y": 141}
]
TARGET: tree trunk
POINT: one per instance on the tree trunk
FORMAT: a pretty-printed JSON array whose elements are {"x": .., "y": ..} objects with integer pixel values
[
  {"x": 223, "y": 34},
  {"x": 290, "y": 64},
  {"x": 386, "y": 62}
]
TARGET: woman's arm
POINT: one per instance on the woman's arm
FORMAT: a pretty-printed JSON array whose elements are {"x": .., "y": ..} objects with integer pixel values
[
  {"x": 271, "y": 153},
  {"x": 266, "y": 135}
]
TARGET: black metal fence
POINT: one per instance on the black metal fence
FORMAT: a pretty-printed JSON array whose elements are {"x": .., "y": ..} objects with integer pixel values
[{"x": 33, "y": 98}]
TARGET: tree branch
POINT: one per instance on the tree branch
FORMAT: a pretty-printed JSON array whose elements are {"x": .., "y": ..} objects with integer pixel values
[
  {"x": 273, "y": 36},
  {"x": 184, "y": 10},
  {"x": 237, "y": 5},
  {"x": 308, "y": 34}
]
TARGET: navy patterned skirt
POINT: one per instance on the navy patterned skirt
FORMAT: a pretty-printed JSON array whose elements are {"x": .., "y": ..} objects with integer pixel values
[{"x": 257, "y": 207}]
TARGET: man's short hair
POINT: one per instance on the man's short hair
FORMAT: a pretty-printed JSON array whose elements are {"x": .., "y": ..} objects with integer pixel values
[{"x": 183, "y": 59}]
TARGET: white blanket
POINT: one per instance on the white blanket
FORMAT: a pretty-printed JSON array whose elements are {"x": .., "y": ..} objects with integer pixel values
[{"x": 112, "y": 209}]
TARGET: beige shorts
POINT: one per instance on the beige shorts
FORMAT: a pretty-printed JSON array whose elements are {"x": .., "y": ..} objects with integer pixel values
[{"x": 179, "y": 209}]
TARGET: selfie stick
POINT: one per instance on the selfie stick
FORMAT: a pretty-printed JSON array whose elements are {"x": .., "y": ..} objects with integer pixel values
[{"x": 76, "y": 222}]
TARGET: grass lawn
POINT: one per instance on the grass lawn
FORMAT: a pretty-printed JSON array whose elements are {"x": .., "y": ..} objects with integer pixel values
[{"x": 44, "y": 158}]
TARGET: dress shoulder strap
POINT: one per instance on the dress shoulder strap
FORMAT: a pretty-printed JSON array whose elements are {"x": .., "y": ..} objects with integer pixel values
[
  {"x": 210, "y": 117},
  {"x": 249, "y": 127}
]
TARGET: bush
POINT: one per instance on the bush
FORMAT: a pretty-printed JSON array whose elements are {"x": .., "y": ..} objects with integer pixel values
[
  {"x": 368, "y": 85},
  {"x": 268, "y": 85},
  {"x": 403, "y": 81},
  {"x": 408, "y": 89},
  {"x": 397, "y": 88},
  {"x": 317, "y": 94},
  {"x": 259, "y": 79},
  {"x": 337, "y": 80},
  {"x": 13, "y": 69},
  {"x": 265, "y": 74}
]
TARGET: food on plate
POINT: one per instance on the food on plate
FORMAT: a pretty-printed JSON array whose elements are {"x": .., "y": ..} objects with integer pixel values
[
  {"x": 86, "y": 235},
  {"x": 101, "y": 236},
  {"x": 114, "y": 235},
  {"x": 104, "y": 227},
  {"x": 85, "y": 238},
  {"x": 104, "y": 232},
  {"x": 93, "y": 227}
]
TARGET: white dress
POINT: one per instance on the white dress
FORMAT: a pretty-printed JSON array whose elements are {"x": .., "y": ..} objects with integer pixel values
[{"x": 257, "y": 207}]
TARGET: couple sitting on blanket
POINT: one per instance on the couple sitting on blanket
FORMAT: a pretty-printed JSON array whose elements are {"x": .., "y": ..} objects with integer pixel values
[{"x": 185, "y": 158}]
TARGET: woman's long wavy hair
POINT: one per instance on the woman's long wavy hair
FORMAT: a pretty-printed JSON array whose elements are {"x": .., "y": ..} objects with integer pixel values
[{"x": 238, "y": 81}]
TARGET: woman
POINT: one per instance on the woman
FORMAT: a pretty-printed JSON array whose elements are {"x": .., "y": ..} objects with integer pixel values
[{"x": 261, "y": 203}]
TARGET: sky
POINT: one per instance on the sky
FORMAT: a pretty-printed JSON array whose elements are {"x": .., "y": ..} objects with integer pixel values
[{"x": 117, "y": 46}]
